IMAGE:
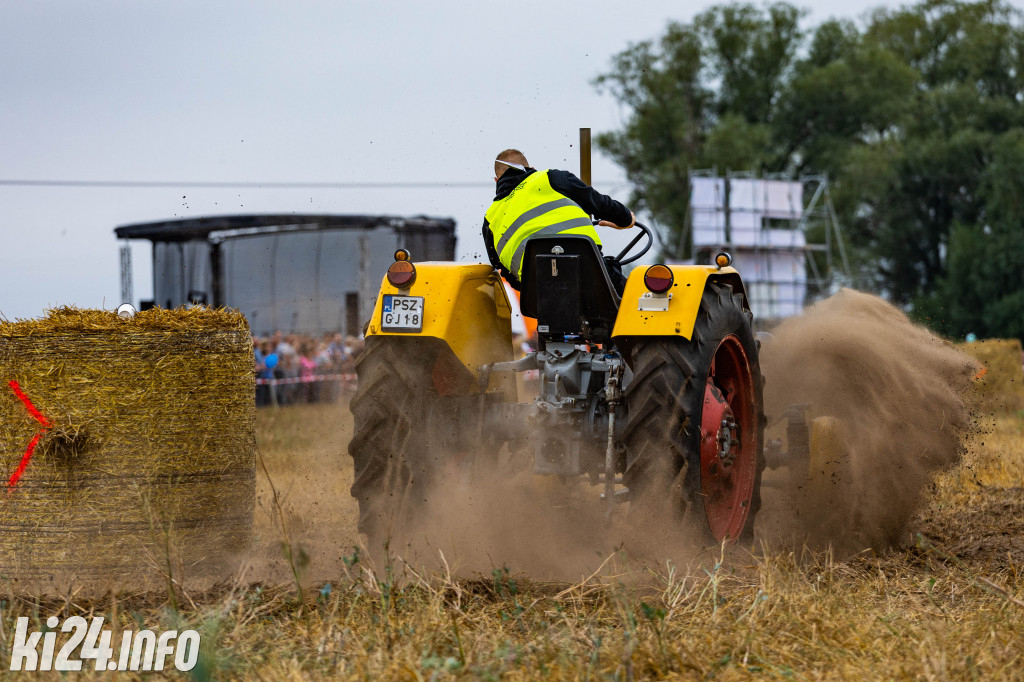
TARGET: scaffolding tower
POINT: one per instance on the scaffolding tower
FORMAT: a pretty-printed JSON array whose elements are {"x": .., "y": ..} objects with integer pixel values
[{"x": 772, "y": 235}]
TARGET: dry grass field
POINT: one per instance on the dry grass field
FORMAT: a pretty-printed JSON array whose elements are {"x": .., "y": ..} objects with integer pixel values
[{"x": 947, "y": 604}]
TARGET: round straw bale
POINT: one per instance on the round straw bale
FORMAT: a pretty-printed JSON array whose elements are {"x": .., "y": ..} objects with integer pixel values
[
  {"x": 1000, "y": 381},
  {"x": 143, "y": 463}
]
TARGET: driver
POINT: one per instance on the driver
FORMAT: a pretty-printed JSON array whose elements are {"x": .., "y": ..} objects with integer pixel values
[{"x": 529, "y": 202}]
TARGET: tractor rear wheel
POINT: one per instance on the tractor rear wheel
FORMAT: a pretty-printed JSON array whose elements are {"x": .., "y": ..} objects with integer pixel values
[
  {"x": 694, "y": 438},
  {"x": 390, "y": 448}
]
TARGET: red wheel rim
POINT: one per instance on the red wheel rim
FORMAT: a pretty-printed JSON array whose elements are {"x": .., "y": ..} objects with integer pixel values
[{"x": 728, "y": 458}]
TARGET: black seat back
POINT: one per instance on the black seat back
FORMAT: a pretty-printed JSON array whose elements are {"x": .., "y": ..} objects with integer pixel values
[{"x": 566, "y": 287}]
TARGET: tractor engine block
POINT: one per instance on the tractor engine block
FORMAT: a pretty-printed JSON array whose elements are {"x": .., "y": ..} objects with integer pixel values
[{"x": 572, "y": 410}]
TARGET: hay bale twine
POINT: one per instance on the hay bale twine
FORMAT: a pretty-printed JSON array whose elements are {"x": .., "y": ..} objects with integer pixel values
[
  {"x": 144, "y": 457},
  {"x": 1000, "y": 384}
]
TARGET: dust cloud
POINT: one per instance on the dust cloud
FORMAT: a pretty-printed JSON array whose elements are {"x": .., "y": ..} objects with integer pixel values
[
  {"x": 471, "y": 522},
  {"x": 549, "y": 529},
  {"x": 889, "y": 398}
]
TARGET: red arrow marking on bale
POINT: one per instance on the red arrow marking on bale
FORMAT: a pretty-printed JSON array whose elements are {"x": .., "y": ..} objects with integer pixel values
[
  {"x": 24, "y": 459},
  {"x": 36, "y": 414},
  {"x": 39, "y": 417}
]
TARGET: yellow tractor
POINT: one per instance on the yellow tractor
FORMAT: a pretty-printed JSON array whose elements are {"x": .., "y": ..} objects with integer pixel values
[{"x": 654, "y": 396}]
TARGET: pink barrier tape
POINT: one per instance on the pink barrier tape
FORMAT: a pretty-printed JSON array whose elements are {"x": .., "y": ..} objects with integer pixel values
[{"x": 306, "y": 380}]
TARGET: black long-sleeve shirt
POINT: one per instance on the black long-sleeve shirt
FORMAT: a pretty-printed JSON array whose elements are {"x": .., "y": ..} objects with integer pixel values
[{"x": 601, "y": 206}]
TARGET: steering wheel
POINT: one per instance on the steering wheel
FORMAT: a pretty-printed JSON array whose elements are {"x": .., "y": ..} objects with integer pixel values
[{"x": 644, "y": 232}]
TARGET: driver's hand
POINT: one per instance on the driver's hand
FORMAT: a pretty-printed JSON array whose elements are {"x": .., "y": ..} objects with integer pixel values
[{"x": 608, "y": 223}]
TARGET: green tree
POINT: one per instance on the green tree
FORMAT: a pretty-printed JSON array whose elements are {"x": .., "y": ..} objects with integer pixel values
[
  {"x": 967, "y": 77},
  {"x": 908, "y": 114},
  {"x": 701, "y": 96},
  {"x": 983, "y": 289}
]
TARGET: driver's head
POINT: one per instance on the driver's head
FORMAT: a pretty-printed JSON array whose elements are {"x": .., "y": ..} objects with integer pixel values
[{"x": 509, "y": 156}]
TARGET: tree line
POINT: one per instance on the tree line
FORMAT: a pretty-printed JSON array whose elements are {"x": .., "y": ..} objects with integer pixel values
[{"x": 916, "y": 115}]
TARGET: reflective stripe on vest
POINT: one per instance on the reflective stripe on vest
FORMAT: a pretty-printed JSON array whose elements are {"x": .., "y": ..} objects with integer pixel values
[{"x": 532, "y": 209}]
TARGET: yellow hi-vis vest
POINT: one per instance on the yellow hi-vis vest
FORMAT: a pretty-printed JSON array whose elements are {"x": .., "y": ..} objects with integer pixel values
[{"x": 532, "y": 209}]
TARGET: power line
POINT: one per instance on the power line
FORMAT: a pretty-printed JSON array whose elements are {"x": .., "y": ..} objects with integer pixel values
[
  {"x": 239, "y": 185},
  {"x": 158, "y": 184}
]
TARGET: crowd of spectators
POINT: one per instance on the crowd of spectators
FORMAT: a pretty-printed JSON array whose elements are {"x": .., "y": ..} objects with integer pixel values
[
  {"x": 307, "y": 369},
  {"x": 311, "y": 368}
]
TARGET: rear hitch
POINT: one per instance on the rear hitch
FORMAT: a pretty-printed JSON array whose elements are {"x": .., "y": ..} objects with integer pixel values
[
  {"x": 613, "y": 396},
  {"x": 527, "y": 362},
  {"x": 798, "y": 437},
  {"x": 618, "y": 497}
]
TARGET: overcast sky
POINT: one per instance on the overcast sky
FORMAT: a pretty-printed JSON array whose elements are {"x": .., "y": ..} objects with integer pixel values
[{"x": 285, "y": 92}]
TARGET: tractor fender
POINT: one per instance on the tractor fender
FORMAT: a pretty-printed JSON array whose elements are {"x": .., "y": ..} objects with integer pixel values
[
  {"x": 636, "y": 319},
  {"x": 463, "y": 305}
]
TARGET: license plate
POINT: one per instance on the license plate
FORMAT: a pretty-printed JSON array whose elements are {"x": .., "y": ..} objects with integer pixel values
[{"x": 402, "y": 313}]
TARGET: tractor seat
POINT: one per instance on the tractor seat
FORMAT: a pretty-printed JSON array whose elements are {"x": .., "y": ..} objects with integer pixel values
[{"x": 566, "y": 287}]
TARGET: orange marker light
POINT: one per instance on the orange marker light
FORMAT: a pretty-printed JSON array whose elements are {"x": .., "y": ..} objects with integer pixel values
[
  {"x": 658, "y": 279},
  {"x": 403, "y": 254},
  {"x": 723, "y": 260},
  {"x": 401, "y": 274}
]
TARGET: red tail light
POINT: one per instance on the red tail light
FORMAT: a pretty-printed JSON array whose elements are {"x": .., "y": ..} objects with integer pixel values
[
  {"x": 658, "y": 279},
  {"x": 401, "y": 274}
]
